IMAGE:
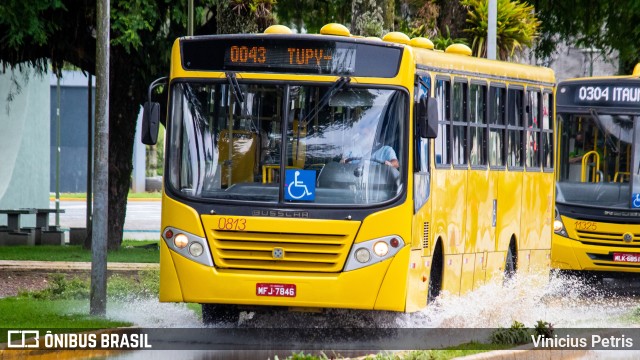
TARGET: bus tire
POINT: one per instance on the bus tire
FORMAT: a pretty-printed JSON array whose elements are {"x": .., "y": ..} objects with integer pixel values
[
  {"x": 511, "y": 262},
  {"x": 219, "y": 313},
  {"x": 435, "y": 277}
]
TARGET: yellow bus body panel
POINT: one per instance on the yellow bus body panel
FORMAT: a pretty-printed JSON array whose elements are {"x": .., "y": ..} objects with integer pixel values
[
  {"x": 570, "y": 253},
  {"x": 372, "y": 287}
]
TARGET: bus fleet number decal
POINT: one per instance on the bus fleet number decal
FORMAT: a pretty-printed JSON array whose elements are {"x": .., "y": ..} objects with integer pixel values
[
  {"x": 586, "y": 225},
  {"x": 232, "y": 223}
]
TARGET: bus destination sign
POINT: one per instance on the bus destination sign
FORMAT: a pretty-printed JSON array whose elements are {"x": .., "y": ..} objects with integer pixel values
[
  {"x": 618, "y": 94},
  {"x": 290, "y": 55},
  {"x": 324, "y": 60}
]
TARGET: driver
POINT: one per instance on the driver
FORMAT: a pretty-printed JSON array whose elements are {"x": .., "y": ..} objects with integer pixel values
[{"x": 384, "y": 155}]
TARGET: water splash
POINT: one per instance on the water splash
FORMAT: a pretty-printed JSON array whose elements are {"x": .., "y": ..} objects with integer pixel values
[
  {"x": 527, "y": 298},
  {"x": 150, "y": 313}
]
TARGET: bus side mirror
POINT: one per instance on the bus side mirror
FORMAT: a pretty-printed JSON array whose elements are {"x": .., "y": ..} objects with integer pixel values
[
  {"x": 151, "y": 115},
  {"x": 426, "y": 115},
  {"x": 150, "y": 122}
]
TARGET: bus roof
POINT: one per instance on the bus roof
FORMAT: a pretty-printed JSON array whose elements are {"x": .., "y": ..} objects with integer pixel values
[
  {"x": 427, "y": 59},
  {"x": 469, "y": 65}
]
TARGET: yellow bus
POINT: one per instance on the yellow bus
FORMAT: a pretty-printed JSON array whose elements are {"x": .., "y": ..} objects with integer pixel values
[
  {"x": 597, "y": 226},
  {"x": 334, "y": 171}
]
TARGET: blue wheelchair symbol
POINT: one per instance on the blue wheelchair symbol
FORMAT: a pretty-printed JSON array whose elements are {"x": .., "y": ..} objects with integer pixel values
[
  {"x": 300, "y": 185},
  {"x": 635, "y": 201}
]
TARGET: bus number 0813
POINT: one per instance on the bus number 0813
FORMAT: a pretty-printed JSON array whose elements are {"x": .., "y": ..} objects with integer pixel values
[{"x": 244, "y": 54}]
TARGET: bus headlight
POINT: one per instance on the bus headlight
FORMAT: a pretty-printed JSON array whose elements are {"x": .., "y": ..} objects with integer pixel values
[
  {"x": 180, "y": 241},
  {"x": 380, "y": 248},
  {"x": 193, "y": 247},
  {"x": 558, "y": 226},
  {"x": 196, "y": 249},
  {"x": 363, "y": 255},
  {"x": 384, "y": 248}
]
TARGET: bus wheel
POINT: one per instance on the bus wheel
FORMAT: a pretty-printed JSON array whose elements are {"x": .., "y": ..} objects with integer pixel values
[
  {"x": 435, "y": 278},
  {"x": 218, "y": 313},
  {"x": 511, "y": 262}
]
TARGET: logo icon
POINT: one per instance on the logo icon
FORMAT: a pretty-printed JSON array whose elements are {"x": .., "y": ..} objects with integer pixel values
[
  {"x": 627, "y": 237},
  {"x": 278, "y": 253},
  {"x": 300, "y": 185},
  {"x": 635, "y": 201},
  {"x": 21, "y": 337}
]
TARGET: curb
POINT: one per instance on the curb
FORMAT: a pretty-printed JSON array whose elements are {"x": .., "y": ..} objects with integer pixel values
[
  {"x": 19, "y": 265},
  {"x": 527, "y": 352}
]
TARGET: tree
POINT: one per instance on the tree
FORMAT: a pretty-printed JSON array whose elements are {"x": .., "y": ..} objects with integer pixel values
[
  {"x": 56, "y": 32},
  {"x": 366, "y": 18},
  {"x": 604, "y": 25},
  {"x": 517, "y": 26},
  {"x": 311, "y": 15}
]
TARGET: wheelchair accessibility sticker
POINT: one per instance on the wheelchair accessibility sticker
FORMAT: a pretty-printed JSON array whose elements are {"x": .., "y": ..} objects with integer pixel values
[
  {"x": 300, "y": 185},
  {"x": 635, "y": 201}
]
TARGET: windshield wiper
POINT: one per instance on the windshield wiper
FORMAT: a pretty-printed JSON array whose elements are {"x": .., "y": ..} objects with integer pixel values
[
  {"x": 339, "y": 84},
  {"x": 239, "y": 97},
  {"x": 607, "y": 138},
  {"x": 237, "y": 91}
]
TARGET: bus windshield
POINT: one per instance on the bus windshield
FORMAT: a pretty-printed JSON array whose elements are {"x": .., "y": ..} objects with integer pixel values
[
  {"x": 596, "y": 160},
  {"x": 347, "y": 143}
]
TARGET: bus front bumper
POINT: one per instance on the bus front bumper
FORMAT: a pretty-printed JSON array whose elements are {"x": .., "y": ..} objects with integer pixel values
[
  {"x": 375, "y": 287},
  {"x": 571, "y": 254}
]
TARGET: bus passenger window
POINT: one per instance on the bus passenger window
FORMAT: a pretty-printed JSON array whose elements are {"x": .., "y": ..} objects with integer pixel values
[
  {"x": 547, "y": 131},
  {"x": 443, "y": 144},
  {"x": 533, "y": 131},
  {"x": 459, "y": 123},
  {"x": 514, "y": 128},
  {"x": 497, "y": 102},
  {"x": 477, "y": 124}
]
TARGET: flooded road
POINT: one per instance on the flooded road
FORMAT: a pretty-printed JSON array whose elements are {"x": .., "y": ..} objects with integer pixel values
[{"x": 564, "y": 303}]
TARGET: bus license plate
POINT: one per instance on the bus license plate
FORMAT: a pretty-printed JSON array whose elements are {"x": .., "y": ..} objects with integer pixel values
[
  {"x": 626, "y": 257},
  {"x": 286, "y": 290}
]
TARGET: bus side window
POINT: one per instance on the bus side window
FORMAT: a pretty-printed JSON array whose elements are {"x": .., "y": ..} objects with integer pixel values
[
  {"x": 497, "y": 106},
  {"x": 477, "y": 125},
  {"x": 547, "y": 131},
  {"x": 532, "y": 139},
  {"x": 515, "y": 128},
  {"x": 460, "y": 117},
  {"x": 443, "y": 142}
]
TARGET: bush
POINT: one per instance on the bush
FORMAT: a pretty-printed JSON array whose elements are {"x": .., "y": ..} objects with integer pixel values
[{"x": 518, "y": 334}]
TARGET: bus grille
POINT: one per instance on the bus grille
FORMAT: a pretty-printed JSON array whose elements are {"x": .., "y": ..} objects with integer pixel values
[
  {"x": 607, "y": 239},
  {"x": 261, "y": 251}
]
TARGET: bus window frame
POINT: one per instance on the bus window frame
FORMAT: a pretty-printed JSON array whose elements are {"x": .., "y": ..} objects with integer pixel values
[
  {"x": 446, "y": 123},
  {"x": 501, "y": 127},
  {"x": 509, "y": 127},
  {"x": 464, "y": 81},
  {"x": 485, "y": 150}
]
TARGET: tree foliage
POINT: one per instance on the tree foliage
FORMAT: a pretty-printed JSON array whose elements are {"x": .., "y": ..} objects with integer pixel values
[
  {"x": 603, "y": 25},
  {"x": 516, "y": 28},
  {"x": 39, "y": 33},
  {"x": 310, "y": 15}
]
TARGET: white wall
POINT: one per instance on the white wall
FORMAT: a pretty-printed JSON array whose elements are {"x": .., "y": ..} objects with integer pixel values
[{"x": 24, "y": 145}]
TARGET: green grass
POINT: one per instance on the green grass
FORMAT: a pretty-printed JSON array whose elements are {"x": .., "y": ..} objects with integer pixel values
[
  {"x": 440, "y": 354},
  {"x": 144, "y": 195},
  {"x": 64, "y": 305},
  {"x": 130, "y": 251},
  {"x": 18, "y": 313}
]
